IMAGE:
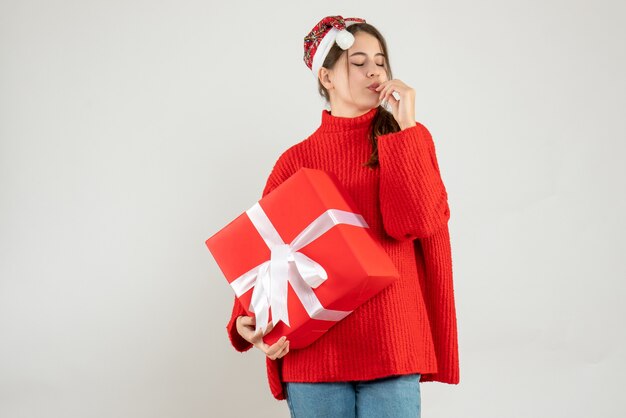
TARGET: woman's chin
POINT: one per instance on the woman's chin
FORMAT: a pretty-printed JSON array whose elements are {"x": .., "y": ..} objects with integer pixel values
[{"x": 372, "y": 101}]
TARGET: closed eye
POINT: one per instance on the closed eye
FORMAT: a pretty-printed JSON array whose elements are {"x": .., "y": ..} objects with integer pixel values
[{"x": 360, "y": 65}]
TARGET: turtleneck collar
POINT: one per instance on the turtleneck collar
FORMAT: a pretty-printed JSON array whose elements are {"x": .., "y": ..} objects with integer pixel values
[{"x": 332, "y": 123}]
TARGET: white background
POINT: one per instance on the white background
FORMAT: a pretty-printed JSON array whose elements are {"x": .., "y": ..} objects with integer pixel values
[{"x": 131, "y": 131}]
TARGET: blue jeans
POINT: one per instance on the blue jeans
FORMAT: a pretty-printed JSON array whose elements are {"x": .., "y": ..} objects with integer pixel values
[{"x": 394, "y": 396}]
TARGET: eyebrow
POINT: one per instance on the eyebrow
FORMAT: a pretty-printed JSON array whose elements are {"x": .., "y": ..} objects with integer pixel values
[{"x": 363, "y": 53}]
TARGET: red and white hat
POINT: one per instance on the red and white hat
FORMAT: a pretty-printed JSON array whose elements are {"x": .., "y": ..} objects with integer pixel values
[{"x": 320, "y": 39}]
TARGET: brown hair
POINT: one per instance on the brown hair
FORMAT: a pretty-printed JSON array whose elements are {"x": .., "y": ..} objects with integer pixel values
[{"x": 383, "y": 121}]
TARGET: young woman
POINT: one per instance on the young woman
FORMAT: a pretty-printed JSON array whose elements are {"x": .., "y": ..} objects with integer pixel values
[{"x": 370, "y": 364}]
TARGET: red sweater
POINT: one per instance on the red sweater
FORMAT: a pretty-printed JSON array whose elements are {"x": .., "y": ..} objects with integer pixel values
[{"x": 409, "y": 327}]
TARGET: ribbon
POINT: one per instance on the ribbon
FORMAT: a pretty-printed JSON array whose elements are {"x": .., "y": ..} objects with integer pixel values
[{"x": 287, "y": 265}]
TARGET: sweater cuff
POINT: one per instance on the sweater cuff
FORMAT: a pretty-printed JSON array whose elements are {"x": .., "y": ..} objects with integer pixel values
[
  {"x": 416, "y": 135},
  {"x": 237, "y": 341}
]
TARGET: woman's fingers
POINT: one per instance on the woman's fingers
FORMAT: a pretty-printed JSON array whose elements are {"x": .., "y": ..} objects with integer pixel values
[
  {"x": 269, "y": 327},
  {"x": 258, "y": 335},
  {"x": 388, "y": 87},
  {"x": 284, "y": 351},
  {"x": 248, "y": 320},
  {"x": 275, "y": 349},
  {"x": 280, "y": 352},
  {"x": 384, "y": 88}
]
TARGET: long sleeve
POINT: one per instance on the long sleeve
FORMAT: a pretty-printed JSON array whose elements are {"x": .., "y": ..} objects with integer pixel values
[
  {"x": 284, "y": 167},
  {"x": 413, "y": 198},
  {"x": 440, "y": 304},
  {"x": 414, "y": 206}
]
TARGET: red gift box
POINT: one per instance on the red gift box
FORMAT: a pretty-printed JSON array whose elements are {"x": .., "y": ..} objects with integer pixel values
[{"x": 303, "y": 256}]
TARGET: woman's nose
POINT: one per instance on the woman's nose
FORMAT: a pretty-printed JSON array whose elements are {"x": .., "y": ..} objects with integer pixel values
[{"x": 372, "y": 71}]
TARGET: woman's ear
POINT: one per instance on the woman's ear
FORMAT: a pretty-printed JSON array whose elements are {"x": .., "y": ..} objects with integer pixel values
[{"x": 324, "y": 76}]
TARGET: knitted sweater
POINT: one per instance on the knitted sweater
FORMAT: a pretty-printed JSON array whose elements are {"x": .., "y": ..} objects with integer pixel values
[{"x": 410, "y": 326}]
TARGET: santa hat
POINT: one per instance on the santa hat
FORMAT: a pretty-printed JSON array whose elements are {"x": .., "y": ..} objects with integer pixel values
[{"x": 324, "y": 34}]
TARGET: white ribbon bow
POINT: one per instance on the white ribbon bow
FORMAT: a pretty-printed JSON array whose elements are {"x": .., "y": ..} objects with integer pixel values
[{"x": 287, "y": 264}]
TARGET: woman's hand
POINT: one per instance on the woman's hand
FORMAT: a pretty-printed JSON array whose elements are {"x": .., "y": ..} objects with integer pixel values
[
  {"x": 245, "y": 328},
  {"x": 403, "y": 109}
]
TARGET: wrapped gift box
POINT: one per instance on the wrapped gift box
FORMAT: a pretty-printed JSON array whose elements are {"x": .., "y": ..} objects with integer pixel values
[{"x": 302, "y": 258}]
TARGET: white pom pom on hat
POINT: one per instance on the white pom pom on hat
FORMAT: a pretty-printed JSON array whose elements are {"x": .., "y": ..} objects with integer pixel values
[{"x": 344, "y": 39}]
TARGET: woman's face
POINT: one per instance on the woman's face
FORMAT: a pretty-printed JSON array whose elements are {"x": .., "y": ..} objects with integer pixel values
[{"x": 348, "y": 90}]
